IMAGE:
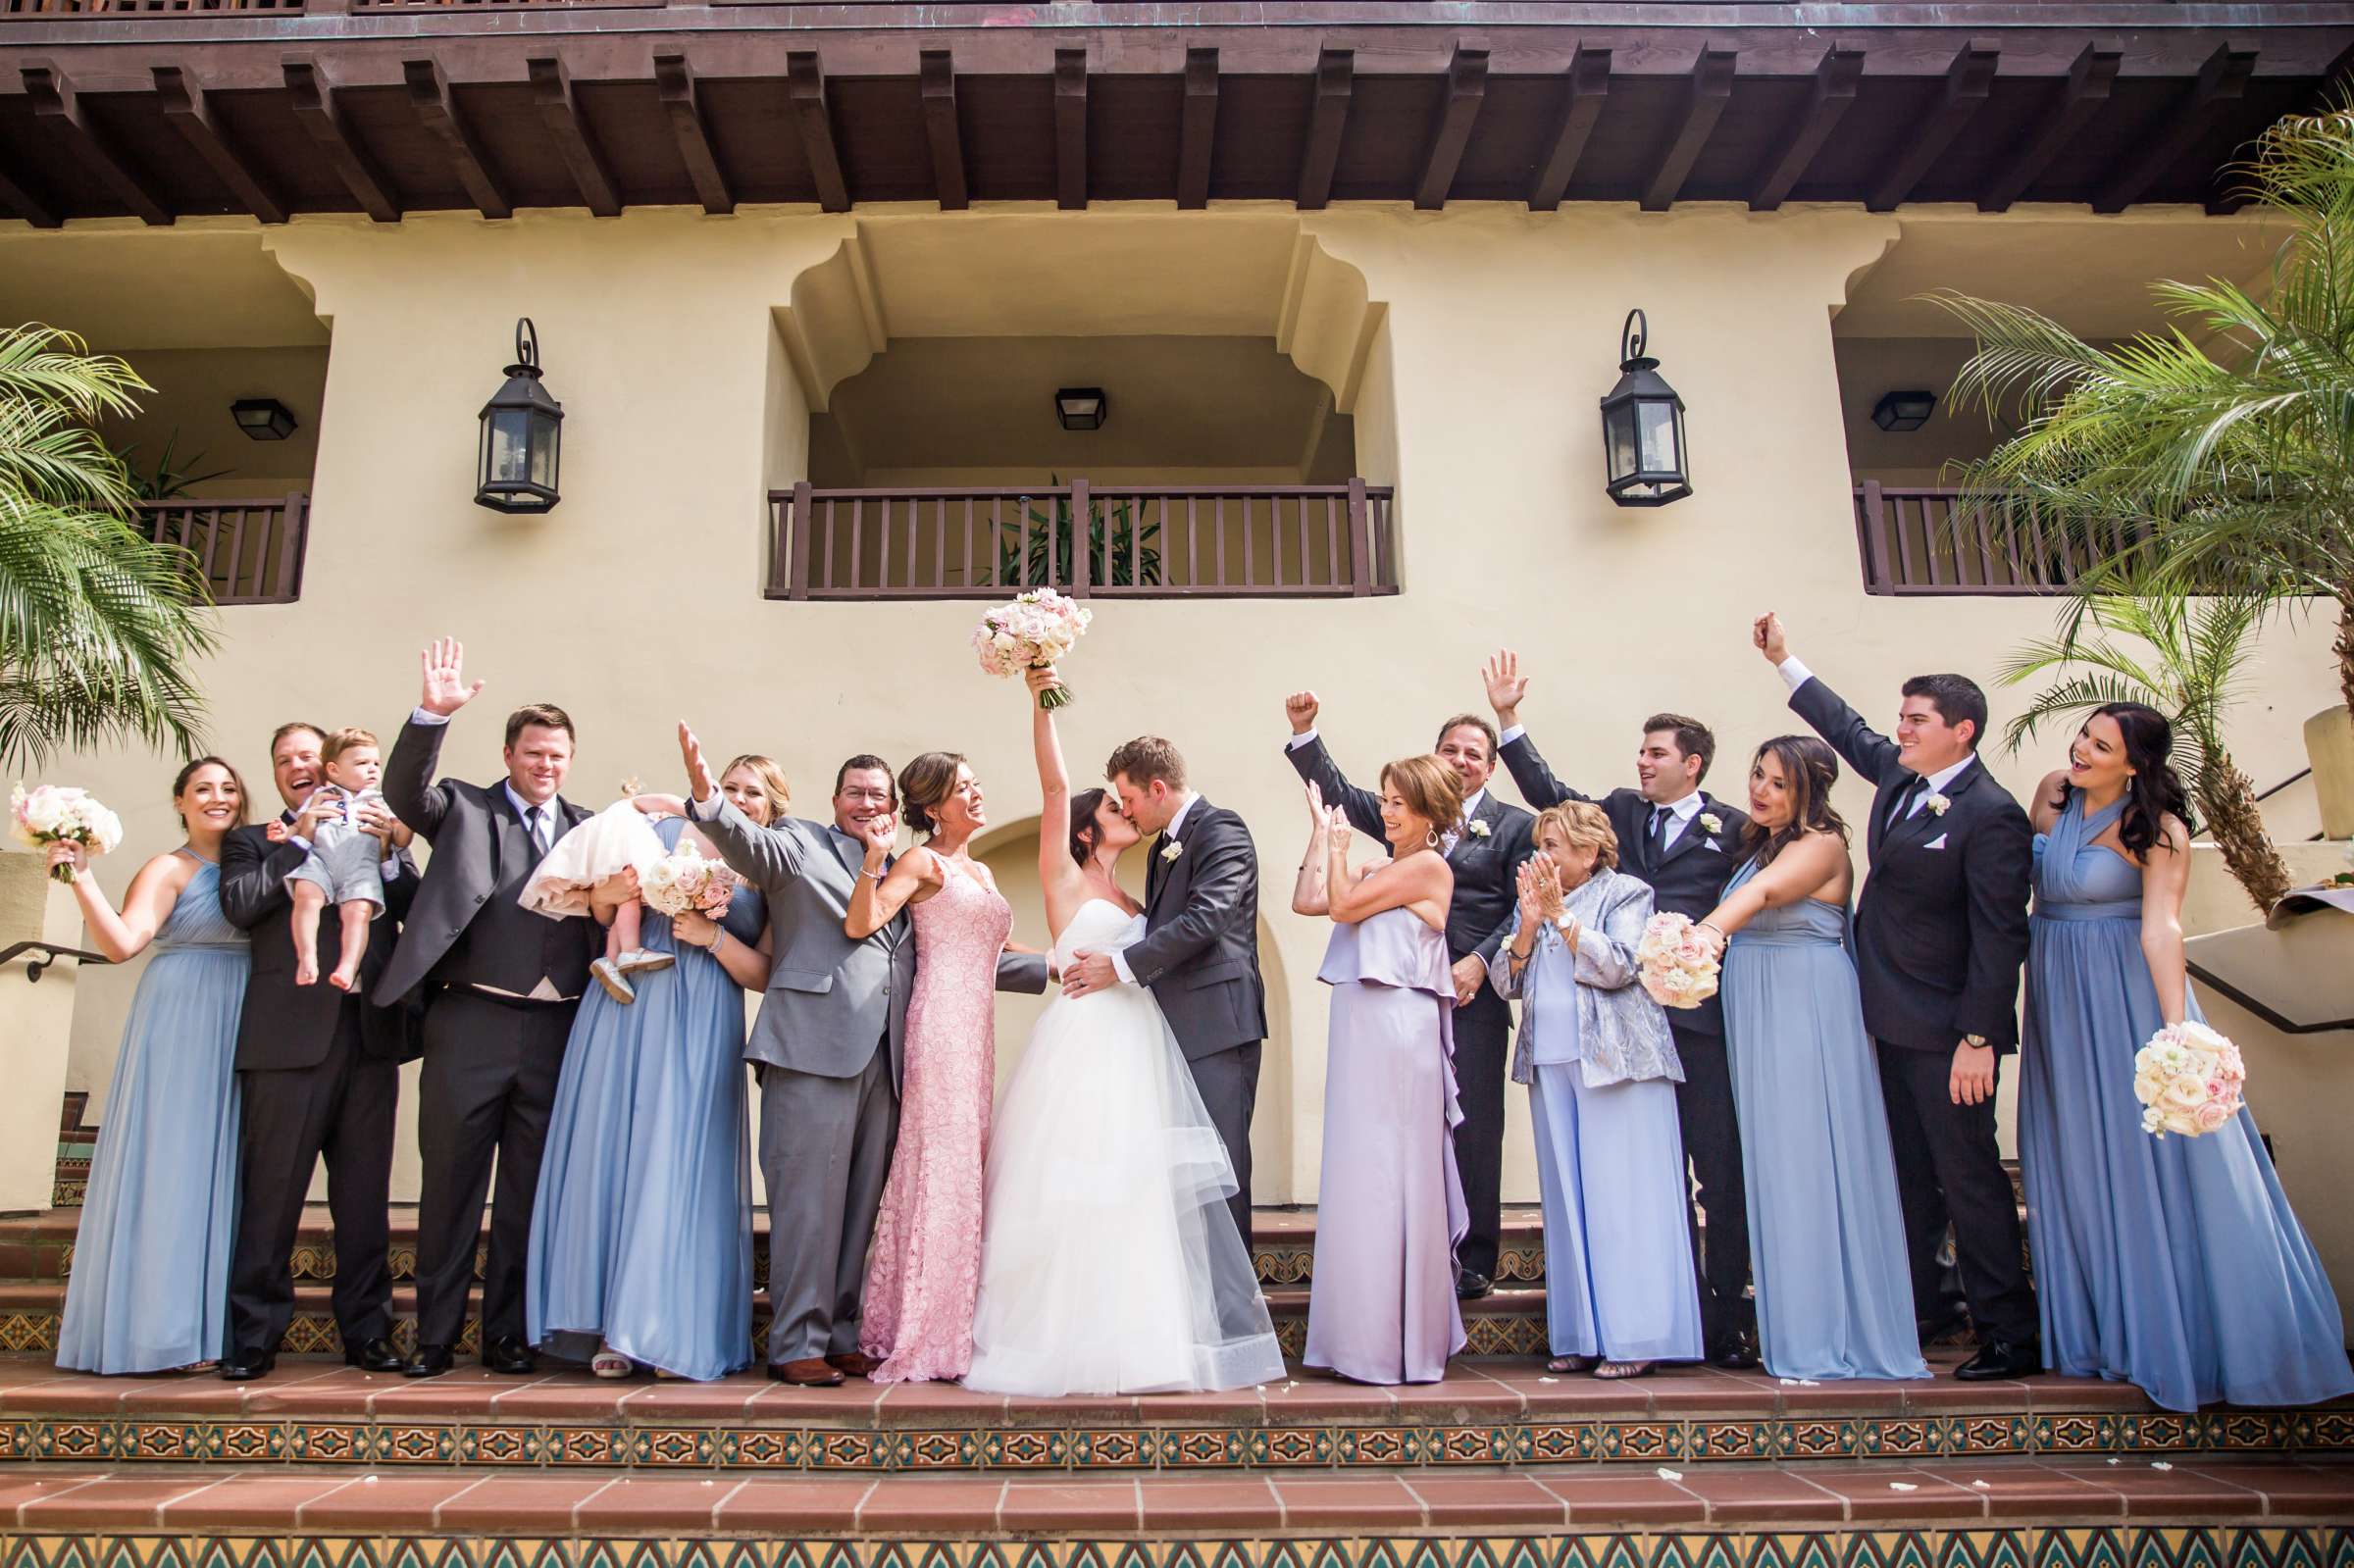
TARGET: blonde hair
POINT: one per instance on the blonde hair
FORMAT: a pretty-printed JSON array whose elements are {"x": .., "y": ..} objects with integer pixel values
[
  {"x": 1430, "y": 789},
  {"x": 342, "y": 741},
  {"x": 773, "y": 783},
  {"x": 1583, "y": 824}
]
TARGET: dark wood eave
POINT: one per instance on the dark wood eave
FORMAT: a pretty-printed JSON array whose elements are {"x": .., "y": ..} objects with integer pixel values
[{"x": 387, "y": 107}]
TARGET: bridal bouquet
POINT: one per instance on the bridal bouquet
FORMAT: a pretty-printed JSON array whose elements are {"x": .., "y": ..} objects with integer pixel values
[
  {"x": 60, "y": 814},
  {"x": 2187, "y": 1079},
  {"x": 1679, "y": 969},
  {"x": 684, "y": 881},
  {"x": 1039, "y": 629}
]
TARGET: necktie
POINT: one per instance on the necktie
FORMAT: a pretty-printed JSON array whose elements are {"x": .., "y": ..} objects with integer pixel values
[
  {"x": 539, "y": 829},
  {"x": 1904, "y": 803},
  {"x": 1659, "y": 832}
]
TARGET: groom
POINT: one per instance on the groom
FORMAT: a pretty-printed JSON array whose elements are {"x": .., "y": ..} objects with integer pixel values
[{"x": 1200, "y": 952}]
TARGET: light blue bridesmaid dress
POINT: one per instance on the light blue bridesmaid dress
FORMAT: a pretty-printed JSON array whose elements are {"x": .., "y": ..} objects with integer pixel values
[
  {"x": 642, "y": 1233},
  {"x": 150, "y": 1284},
  {"x": 1826, "y": 1233},
  {"x": 2173, "y": 1263}
]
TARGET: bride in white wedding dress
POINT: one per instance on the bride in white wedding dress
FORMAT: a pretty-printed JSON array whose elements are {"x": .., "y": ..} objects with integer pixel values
[{"x": 1109, "y": 1260}]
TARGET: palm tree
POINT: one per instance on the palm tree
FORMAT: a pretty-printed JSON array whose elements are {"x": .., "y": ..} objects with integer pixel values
[
  {"x": 99, "y": 624},
  {"x": 2219, "y": 453},
  {"x": 2129, "y": 640}
]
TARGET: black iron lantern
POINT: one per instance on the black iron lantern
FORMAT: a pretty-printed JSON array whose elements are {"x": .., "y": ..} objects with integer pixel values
[
  {"x": 262, "y": 419},
  {"x": 521, "y": 435},
  {"x": 1904, "y": 411},
  {"x": 1643, "y": 427},
  {"x": 1082, "y": 408}
]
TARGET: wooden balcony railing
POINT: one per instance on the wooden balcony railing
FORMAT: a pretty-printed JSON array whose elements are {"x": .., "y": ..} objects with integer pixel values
[
  {"x": 1297, "y": 541},
  {"x": 44, "y": 9},
  {"x": 249, "y": 551},
  {"x": 1925, "y": 541}
]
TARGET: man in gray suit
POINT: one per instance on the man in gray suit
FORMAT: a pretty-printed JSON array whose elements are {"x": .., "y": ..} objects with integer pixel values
[{"x": 829, "y": 1051}]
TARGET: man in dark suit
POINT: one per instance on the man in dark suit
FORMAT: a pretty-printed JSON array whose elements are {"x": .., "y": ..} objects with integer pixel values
[
  {"x": 1685, "y": 842},
  {"x": 1200, "y": 952},
  {"x": 1485, "y": 851},
  {"x": 318, "y": 1074},
  {"x": 500, "y": 985},
  {"x": 1941, "y": 932}
]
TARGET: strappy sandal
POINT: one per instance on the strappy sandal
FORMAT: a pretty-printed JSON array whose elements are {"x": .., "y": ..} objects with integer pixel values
[
  {"x": 611, "y": 1364},
  {"x": 1562, "y": 1364},
  {"x": 1621, "y": 1371}
]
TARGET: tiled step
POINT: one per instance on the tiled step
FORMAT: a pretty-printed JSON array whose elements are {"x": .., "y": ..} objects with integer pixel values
[{"x": 1487, "y": 1413}]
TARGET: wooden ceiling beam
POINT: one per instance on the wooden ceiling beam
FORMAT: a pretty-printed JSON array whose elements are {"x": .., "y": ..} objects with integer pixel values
[
  {"x": 805, "y": 90},
  {"x": 2222, "y": 80},
  {"x": 1589, "y": 82},
  {"x": 313, "y": 100},
  {"x": 2081, "y": 97},
  {"x": 1451, "y": 133},
  {"x": 53, "y": 99},
  {"x": 560, "y": 112},
  {"x": 936, "y": 69},
  {"x": 188, "y": 113},
  {"x": 1070, "y": 128},
  {"x": 27, "y": 205},
  {"x": 1827, "y": 103},
  {"x": 1198, "y": 128},
  {"x": 1708, "y": 90},
  {"x": 1335, "y": 81},
  {"x": 683, "y": 102},
  {"x": 1968, "y": 81},
  {"x": 438, "y": 113}
]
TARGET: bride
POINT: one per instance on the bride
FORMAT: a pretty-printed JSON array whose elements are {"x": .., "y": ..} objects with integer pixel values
[{"x": 1109, "y": 1260}]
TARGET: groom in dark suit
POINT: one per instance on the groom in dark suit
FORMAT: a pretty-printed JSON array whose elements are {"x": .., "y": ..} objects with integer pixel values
[
  {"x": 1941, "y": 932},
  {"x": 318, "y": 1074},
  {"x": 1485, "y": 851},
  {"x": 500, "y": 985},
  {"x": 1200, "y": 952},
  {"x": 1685, "y": 842}
]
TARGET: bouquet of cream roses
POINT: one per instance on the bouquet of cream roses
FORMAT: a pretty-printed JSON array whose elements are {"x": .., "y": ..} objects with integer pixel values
[
  {"x": 2187, "y": 1079},
  {"x": 684, "y": 879},
  {"x": 1679, "y": 968},
  {"x": 1039, "y": 629},
  {"x": 59, "y": 814}
]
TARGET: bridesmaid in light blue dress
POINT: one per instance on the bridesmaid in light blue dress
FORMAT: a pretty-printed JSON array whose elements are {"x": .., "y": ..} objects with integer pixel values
[
  {"x": 149, "y": 1290},
  {"x": 1834, "y": 1292},
  {"x": 642, "y": 1233},
  {"x": 2172, "y": 1263}
]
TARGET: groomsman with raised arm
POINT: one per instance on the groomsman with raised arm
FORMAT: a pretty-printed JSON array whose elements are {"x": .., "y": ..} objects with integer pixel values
[
  {"x": 500, "y": 985},
  {"x": 1485, "y": 851},
  {"x": 1941, "y": 931},
  {"x": 318, "y": 1074},
  {"x": 1686, "y": 844}
]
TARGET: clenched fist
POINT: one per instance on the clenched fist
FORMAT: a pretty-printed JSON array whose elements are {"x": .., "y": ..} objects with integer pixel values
[{"x": 1301, "y": 707}]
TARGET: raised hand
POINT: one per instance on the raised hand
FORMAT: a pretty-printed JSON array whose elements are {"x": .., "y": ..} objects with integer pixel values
[
  {"x": 1041, "y": 679},
  {"x": 1507, "y": 686},
  {"x": 446, "y": 687},
  {"x": 1532, "y": 908},
  {"x": 880, "y": 833},
  {"x": 1768, "y": 637},
  {"x": 1548, "y": 886},
  {"x": 1336, "y": 821},
  {"x": 1318, "y": 817},
  {"x": 1301, "y": 708},
  {"x": 699, "y": 784}
]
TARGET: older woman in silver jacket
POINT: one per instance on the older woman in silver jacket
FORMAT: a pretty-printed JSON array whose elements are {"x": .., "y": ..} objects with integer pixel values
[{"x": 1601, "y": 1065}]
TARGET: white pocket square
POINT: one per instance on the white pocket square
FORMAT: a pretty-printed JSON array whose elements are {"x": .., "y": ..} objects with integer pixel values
[
  {"x": 1711, "y": 847},
  {"x": 1937, "y": 842}
]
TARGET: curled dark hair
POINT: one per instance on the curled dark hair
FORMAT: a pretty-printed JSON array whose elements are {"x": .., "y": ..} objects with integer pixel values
[
  {"x": 1809, "y": 768},
  {"x": 2155, "y": 790},
  {"x": 1084, "y": 834},
  {"x": 923, "y": 784},
  {"x": 1692, "y": 737},
  {"x": 179, "y": 785}
]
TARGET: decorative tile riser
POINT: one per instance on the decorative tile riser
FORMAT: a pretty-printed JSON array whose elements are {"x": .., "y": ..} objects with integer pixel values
[
  {"x": 1264, "y": 1446},
  {"x": 2209, "y": 1545}
]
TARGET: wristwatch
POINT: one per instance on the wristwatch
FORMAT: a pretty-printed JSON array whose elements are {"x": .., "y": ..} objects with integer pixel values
[{"x": 1975, "y": 1042}]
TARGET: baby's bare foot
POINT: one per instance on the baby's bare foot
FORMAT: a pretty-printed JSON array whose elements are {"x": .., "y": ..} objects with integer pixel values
[
  {"x": 342, "y": 979},
  {"x": 306, "y": 972}
]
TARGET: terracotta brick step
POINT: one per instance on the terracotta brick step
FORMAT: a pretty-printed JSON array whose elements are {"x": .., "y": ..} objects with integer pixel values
[{"x": 1999, "y": 1492}]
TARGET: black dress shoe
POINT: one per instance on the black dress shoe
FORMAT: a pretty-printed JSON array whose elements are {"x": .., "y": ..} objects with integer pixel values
[
  {"x": 1735, "y": 1352},
  {"x": 429, "y": 1361},
  {"x": 247, "y": 1367},
  {"x": 374, "y": 1355},
  {"x": 1998, "y": 1357},
  {"x": 1470, "y": 1285},
  {"x": 511, "y": 1357}
]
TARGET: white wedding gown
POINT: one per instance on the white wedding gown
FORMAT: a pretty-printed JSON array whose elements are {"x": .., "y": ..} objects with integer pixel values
[{"x": 1109, "y": 1262}]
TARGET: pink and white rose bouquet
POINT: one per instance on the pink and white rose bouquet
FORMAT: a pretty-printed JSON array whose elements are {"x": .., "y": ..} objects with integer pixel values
[
  {"x": 1679, "y": 968},
  {"x": 1037, "y": 630},
  {"x": 684, "y": 879},
  {"x": 61, "y": 814},
  {"x": 2188, "y": 1081}
]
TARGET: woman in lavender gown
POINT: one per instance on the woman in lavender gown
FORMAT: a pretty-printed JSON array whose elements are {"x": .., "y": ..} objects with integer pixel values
[
  {"x": 2172, "y": 1263},
  {"x": 1390, "y": 1210}
]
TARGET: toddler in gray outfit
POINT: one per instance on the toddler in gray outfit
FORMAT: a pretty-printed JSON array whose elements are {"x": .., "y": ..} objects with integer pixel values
[{"x": 344, "y": 867}]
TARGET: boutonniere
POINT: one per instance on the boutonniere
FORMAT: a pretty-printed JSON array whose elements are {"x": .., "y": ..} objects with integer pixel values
[
  {"x": 1710, "y": 821},
  {"x": 1936, "y": 802},
  {"x": 1171, "y": 850},
  {"x": 1477, "y": 827}
]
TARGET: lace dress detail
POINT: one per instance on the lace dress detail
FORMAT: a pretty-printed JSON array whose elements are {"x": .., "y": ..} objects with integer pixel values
[{"x": 925, "y": 1268}]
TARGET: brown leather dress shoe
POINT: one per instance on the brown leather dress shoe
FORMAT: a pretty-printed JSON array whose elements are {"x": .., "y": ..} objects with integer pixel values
[
  {"x": 813, "y": 1372},
  {"x": 854, "y": 1363}
]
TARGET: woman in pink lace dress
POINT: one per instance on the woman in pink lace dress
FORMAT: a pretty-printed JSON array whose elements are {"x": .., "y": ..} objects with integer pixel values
[{"x": 924, "y": 1269}]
